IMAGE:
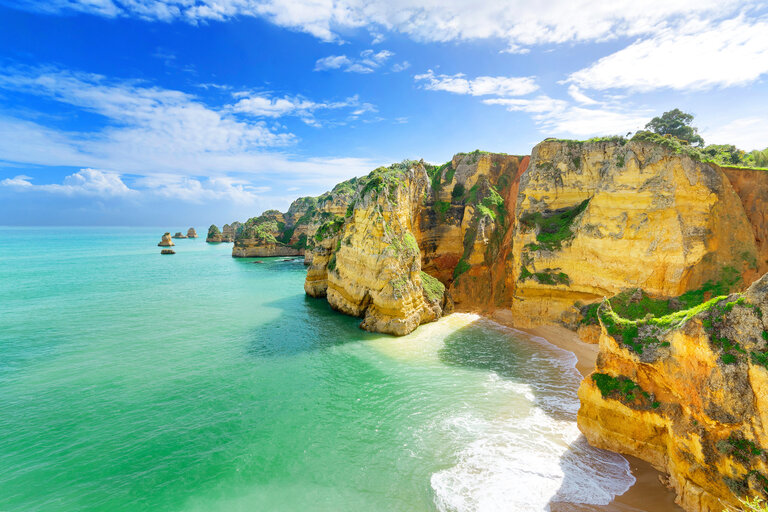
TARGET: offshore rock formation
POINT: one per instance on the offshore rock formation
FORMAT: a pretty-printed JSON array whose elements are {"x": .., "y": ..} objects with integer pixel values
[
  {"x": 687, "y": 392},
  {"x": 179, "y": 234},
  {"x": 214, "y": 235},
  {"x": 276, "y": 234},
  {"x": 166, "y": 241},
  {"x": 230, "y": 231},
  {"x": 191, "y": 233},
  {"x": 167, "y": 251}
]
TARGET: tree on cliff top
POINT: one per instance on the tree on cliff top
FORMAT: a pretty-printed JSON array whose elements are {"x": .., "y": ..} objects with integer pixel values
[{"x": 678, "y": 124}]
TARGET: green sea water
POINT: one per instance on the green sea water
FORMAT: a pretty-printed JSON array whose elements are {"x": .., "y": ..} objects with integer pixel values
[{"x": 131, "y": 381}]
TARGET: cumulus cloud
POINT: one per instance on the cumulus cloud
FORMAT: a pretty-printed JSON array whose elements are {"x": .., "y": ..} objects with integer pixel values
[
  {"x": 368, "y": 62},
  {"x": 520, "y": 23},
  {"x": 261, "y": 105},
  {"x": 150, "y": 130},
  {"x": 695, "y": 56},
  {"x": 85, "y": 182},
  {"x": 480, "y": 86},
  {"x": 559, "y": 116}
]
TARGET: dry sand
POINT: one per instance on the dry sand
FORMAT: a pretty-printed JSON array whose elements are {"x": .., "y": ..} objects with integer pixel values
[{"x": 648, "y": 494}]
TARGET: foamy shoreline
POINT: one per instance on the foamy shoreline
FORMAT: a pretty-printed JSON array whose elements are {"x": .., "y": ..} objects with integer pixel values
[{"x": 648, "y": 494}]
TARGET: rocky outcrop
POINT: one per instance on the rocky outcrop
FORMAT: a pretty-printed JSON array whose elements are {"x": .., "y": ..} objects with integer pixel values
[
  {"x": 179, "y": 234},
  {"x": 575, "y": 222},
  {"x": 166, "y": 241},
  {"x": 291, "y": 234},
  {"x": 368, "y": 263},
  {"x": 167, "y": 251},
  {"x": 191, "y": 233},
  {"x": 687, "y": 392},
  {"x": 751, "y": 185},
  {"x": 596, "y": 218},
  {"x": 230, "y": 231},
  {"x": 214, "y": 235}
]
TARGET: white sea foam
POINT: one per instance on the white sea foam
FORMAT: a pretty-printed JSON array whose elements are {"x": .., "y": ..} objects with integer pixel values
[{"x": 531, "y": 456}]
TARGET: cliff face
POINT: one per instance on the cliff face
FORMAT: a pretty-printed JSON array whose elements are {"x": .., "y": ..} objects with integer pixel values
[
  {"x": 368, "y": 262},
  {"x": 597, "y": 218},
  {"x": 573, "y": 223},
  {"x": 752, "y": 188},
  {"x": 687, "y": 392},
  {"x": 276, "y": 234}
]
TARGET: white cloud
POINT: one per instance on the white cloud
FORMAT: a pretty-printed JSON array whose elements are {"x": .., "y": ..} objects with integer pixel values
[
  {"x": 579, "y": 96},
  {"x": 368, "y": 62},
  {"x": 559, "y": 117},
  {"x": 148, "y": 130},
  {"x": 695, "y": 56},
  {"x": 520, "y": 23},
  {"x": 747, "y": 133},
  {"x": 263, "y": 106},
  {"x": 86, "y": 182},
  {"x": 401, "y": 66},
  {"x": 480, "y": 86}
]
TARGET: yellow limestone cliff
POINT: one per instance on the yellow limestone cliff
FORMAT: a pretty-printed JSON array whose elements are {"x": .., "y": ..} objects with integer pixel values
[
  {"x": 597, "y": 218},
  {"x": 687, "y": 392},
  {"x": 575, "y": 222}
]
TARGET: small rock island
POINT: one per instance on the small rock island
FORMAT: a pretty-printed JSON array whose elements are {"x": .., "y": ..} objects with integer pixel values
[
  {"x": 191, "y": 233},
  {"x": 166, "y": 241}
]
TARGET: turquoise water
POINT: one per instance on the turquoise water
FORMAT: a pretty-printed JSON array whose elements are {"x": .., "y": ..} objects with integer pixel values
[{"x": 131, "y": 381}]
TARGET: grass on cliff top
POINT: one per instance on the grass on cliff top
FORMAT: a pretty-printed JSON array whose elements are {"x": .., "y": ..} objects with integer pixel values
[
  {"x": 634, "y": 304},
  {"x": 554, "y": 227},
  {"x": 433, "y": 288}
]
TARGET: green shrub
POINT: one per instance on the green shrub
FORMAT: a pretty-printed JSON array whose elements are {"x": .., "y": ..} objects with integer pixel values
[{"x": 553, "y": 227}]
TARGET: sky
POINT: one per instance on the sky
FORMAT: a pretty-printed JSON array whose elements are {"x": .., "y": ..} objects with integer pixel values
[{"x": 179, "y": 113}]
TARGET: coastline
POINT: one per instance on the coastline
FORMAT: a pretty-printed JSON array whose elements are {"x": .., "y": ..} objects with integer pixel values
[{"x": 648, "y": 493}]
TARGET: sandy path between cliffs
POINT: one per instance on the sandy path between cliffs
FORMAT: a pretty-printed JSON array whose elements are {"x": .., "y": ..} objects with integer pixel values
[{"x": 648, "y": 494}]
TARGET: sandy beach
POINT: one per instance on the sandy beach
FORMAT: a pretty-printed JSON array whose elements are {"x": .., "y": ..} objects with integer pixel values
[{"x": 648, "y": 494}]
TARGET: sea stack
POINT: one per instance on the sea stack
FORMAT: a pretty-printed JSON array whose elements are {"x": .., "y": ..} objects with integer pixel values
[
  {"x": 167, "y": 251},
  {"x": 214, "y": 235},
  {"x": 166, "y": 241},
  {"x": 191, "y": 233},
  {"x": 179, "y": 235}
]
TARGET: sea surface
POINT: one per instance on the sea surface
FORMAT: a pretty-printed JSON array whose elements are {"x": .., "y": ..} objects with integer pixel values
[{"x": 131, "y": 381}]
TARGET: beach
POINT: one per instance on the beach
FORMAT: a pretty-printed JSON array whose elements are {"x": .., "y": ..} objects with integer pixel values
[{"x": 649, "y": 492}]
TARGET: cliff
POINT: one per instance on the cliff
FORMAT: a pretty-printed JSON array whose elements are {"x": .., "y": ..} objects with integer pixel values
[
  {"x": 687, "y": 392},
  {"x": 540, "y": 235},
  {"x": 598, "y": 217},
  {"x": 290, "y": 234}
]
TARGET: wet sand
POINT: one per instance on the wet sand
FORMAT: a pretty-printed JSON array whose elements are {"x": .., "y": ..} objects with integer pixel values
[{"x": 648, "y": 494}]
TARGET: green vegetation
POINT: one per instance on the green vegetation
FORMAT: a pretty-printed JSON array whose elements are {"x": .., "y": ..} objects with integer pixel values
[
  {"x": 548, "y": 276},
  {"x": 441, "y": 209},
  {"x": 634, "y": 303},
  {"x": 385, "y": 179},
  {"x": 623, "y": 389},
  {"x": 433, "y": 288},
  {"x": 677, "y": 124},
  {"x": 302, "y": 242},
  {"x": 263, "y": 229},
  {"x": 403, "y": 246},
  {"x": 553, "y": 227},
  {"x": 213, "y": 231},
  {"x": 329, "y": 229},
  {"x": 753, "y": 505},
  {"x": 332, "y": 262},
  {"x": 461, "y": 267},
  {"x": 458, "y": 192},
  {"x": 492, "y": 204}
]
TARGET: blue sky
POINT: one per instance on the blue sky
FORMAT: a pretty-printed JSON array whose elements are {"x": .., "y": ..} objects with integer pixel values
[{"x": 192, "y": 112}]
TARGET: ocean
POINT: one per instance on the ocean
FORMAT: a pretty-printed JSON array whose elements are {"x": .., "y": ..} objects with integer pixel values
[{"x": 131, "y": 381}]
